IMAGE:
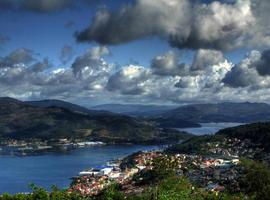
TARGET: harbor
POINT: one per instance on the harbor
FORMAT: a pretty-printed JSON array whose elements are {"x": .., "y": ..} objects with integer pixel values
[{"x": 56, "y": 168}]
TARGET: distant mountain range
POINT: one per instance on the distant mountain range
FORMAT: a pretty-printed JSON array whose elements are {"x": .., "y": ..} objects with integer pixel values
[
  {"x": 57, "y": 119},
  {"x": 221, "y": 112},
  {"x": 53, "y": 119},
  {"x": 135, "y": 109},
  {"x": 192, "y": 115},
  {"x": 66, "y": 105},
  {"x": 148, "y": 113}
]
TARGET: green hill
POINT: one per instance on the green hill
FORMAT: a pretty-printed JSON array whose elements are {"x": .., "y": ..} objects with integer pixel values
[
  {"x": 257, "y": 133},
  {"x": 252, "y": 136},
  {"x": 221, "y": 112},
  {"x": 19, "y": 120}
]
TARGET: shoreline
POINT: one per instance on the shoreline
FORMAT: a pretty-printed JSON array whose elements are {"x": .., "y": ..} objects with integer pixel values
[{"x": 94, "y": 154}]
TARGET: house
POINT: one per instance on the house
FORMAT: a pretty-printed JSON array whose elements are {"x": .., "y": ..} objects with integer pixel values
[
  {"x": 97, "y": 171},
  {"x": 90, "y": 172}
]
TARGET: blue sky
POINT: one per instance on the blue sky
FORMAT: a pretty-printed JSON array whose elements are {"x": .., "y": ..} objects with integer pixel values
[
  {"x": 46, "y": 34},
  {"x": 204, "y": 50}
]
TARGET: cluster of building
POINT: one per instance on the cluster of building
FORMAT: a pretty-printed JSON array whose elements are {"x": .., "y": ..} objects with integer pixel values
[
  {"x": 88, "y": 185},
  {"x": 219, "y": 168},
  {"x": 37, "y": 146},
  {"x": 211, "y": 173},
  {"x": 144, "y": 160},
  {"x": 233, "y": 147},
  {"x": 94, "y": 180}
]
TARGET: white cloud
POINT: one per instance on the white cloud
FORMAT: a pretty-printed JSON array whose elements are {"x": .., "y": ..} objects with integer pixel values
[
  {"x": 168, "y": 64},
  {"x": 92, "y": 79},
  {"x": 206, "y": 58},
  {"x": 129, "y": 80},
  {"x": 245, "y": 74},
  {"x": 184, "y": 24}
]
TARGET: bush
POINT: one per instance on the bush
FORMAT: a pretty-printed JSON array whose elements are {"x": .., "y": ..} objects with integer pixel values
[{"x": 256, "y": 179}]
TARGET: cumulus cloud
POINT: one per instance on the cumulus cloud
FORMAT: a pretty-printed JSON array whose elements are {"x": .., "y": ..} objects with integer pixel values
[
  {"x": 204, "y": 61},
  {"x": 209, "y": 78},
  {"x": 187, "y": 82},
  {"x": 261, "y": 30},
  {"x": 41, "y": 66},
  {"x": 169, "y": 85},
  {"x": 263, "y": 64},
  {"x": 24, "y": 75},
  {"x": 168, "y": 64},
  {"x": 90, "y": 77},
  {"x": 145, "y": 18},
  {"x": 184, "y": 24},
  {"x": 206, "y": 58},
  {"x": 129, "y": 81},
  {"x": 21, "y": 67},
  {"x": 218, "y": 26},
  {"x": 250, "y": 72},
  {"x": 91, "y": 62},
  {"x": 19, "y": 56}
]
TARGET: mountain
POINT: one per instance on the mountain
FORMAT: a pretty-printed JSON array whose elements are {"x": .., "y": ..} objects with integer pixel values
[
  {"x": 192, "y": 115},
  {"x": 257, "y": 133},
  {"x": 221, "y": 112},
  {"x": 66, "y": 105},
  {"x": 19, "y": 120},
  {"x": 172, "y": 123},
  {"x": 134, "y": 109},
  {"x": 151, "y": 113},
  {"x": 172, "y": 117},
  {"x": 255, "y": 136}
]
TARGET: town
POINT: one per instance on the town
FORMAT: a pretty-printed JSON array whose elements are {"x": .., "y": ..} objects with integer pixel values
[
  {"x": 213, "y": 173},
  {"x": 215, "y": 166},
  {"x": 37, "y": 146}
]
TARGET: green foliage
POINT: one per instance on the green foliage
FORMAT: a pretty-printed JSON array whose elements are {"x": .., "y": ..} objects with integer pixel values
[
  {"x": 169, "y": 188},
  {"x": 195, "y": 144},
  {"x": 162, "y": 183},
  {"x": 112, "y": 193},
  {"x": 258, "y": 133},
  {"x": 175, "y": 188},
  {"x": 39, "y": 193},
  {"x": 256, "y": 179},
  {"x": 129, "y": 161},
  {"x": 15, "y": 197},
  {"x": 163, "y": 167}
]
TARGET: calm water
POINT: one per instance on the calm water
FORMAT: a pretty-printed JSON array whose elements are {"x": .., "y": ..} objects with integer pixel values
[
  {"x": 45, "y": 170},
  {"x": 56, "y": 169},
  {"x": 209, "y": 128}
]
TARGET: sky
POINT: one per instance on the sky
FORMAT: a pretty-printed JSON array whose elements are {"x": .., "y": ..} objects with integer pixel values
[{"x": 93, "y": 52}]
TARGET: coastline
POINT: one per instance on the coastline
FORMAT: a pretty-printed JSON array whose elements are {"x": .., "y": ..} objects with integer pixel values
[{"x": 56, "y": 168}]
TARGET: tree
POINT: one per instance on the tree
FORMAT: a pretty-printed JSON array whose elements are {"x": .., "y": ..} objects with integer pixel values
[{"x": 257, "y": 179}]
